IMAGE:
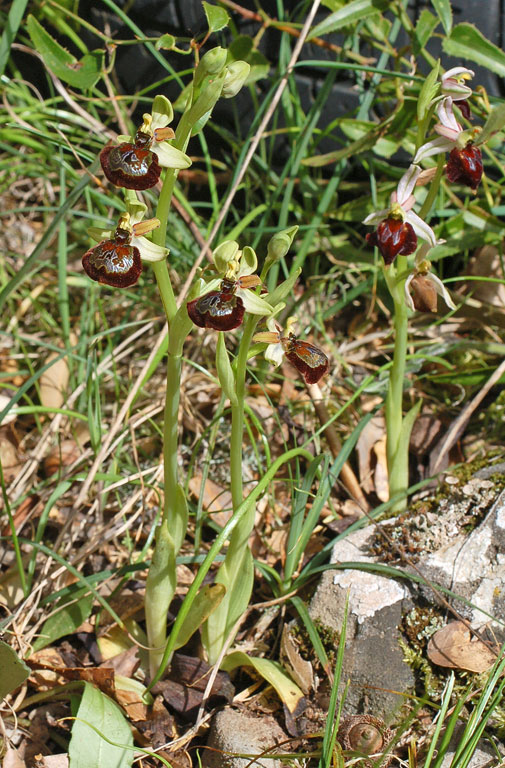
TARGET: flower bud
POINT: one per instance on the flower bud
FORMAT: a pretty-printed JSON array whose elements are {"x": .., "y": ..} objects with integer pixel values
[
  {"x": 211, "y": 63},
  {"x": 236, "y": 74},
  {"x": 280, "y": 243}
]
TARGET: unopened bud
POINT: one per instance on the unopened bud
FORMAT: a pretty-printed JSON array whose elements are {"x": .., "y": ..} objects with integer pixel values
[
  {"x": 236, "y": 74},
  {"x": 280, "y": 243},
  {"x": 211, "y": 63}
]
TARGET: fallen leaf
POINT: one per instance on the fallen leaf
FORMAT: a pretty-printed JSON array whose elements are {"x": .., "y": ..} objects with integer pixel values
[
  {"x": 54, "y": 382},
  {"x": 52, "y": 761},
  {"x": 454, "y": 646},
  {"x": 216, "y": 500},
  {"x": 372, "y": 434},
  {"x": 12, "y": 759},
  {"x": 9, "y": 456},
  {"x": 299, "y": 669},
  {"x": 380, "y": 476}
]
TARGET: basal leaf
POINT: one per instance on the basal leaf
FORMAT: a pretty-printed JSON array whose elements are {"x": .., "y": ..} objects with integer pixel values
[
  {"x": 13, "y": 671},
  {"x": 101, "y": 737},
  {"x": 444, "y": 13},
  {"x": 217, "y": 17},
  {"x": 272, "y": 672},
  {"x": 466, "y": 42},
  {"x": 74, "y": 610},
  {"x": 81, "y": 74},
  {"x": 350, "y": 13}
]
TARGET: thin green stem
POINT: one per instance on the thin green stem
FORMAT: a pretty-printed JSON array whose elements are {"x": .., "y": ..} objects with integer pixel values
[{"x": 397, "y": 463}]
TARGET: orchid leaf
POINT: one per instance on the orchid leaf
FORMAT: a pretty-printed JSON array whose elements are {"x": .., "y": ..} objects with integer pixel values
[
  {"x": 289, "y": 693},
  {"x": 467, "y": 42},
  {"x": 13, "y": 671}
]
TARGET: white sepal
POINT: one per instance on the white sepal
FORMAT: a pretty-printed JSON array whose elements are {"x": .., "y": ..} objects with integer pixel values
[{"x": 421, "y": 228}]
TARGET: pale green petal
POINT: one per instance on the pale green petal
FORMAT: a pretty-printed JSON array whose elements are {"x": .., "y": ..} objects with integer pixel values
[
  {"x": 149, "y": 251},
  {"x": 223, "y": 254},
  {"x": 169, "y": 156},
  {"x": 162, "y": 112},
  {"x": 100, "y": 234},
  {"x": 248, "y": 262},
  {"x": 124, "y": 139},
  {"x": 254, "y": 303},
  {"x": 212, "y": 285}
]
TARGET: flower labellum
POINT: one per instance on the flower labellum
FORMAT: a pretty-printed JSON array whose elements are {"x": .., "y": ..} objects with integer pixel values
[
  {"x": 392, "y": 237},
  {"x": 465, "y": 166},
  {"x": 221, "y": 310},
  {"x": 114, "y": 262},
  {"x": 309, "y": 360},
  {"x": 423, "y": 293},
  {"x": 133, "y": 166}
]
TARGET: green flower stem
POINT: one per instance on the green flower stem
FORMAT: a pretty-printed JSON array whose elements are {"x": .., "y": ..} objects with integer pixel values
[
  {"x": 236, "y": 572},
  {"x": 398, "y": 464},
  {"x": 434, "y": 187},
  {"x": 216, "y": 547}
]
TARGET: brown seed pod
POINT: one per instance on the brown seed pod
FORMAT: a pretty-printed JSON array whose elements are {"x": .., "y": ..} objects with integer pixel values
[{"x": 365, "y": 735}]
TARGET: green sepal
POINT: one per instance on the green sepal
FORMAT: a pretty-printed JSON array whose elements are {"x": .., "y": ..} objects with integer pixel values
[
  {"x": 224, "y": 253},
  {"x": 224, "y": 370},
  {"x": 162, "y": 111}
]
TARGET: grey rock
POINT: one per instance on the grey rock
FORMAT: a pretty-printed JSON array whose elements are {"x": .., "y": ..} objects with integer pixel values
[
  {"x": 234, "y": 733},
  {"x": 470, "y": 564}
]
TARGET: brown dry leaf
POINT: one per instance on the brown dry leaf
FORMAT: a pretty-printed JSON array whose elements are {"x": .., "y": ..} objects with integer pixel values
[
  {"x": 216, "y": 500},
  {"x": 380, "y": 477},
  {"x": 454, "y": 646},
  {"x": 133, "y": 703},
  {"x": 373, "y": 433},
  {"x": 12, "y": 462},
  {"x": 61, "y": 455},
  {"x": 54, "y": 382},
  {"x": 10, "y": 416},
  {"x": 299, "y": 669},
  {"x": 51, "y": 761},
  {"x": 11, "y": 590},
  {"x": 12, "y": 759},
  {"x": 158, "y": 727},
  {"x": 487, "y": 263}
]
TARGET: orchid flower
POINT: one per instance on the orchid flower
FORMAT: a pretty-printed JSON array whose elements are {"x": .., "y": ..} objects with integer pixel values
[
  {"x": 222, "y": 301},
  {"x": 117, "y": 259},
  {"x": 465, "y": 160},
  {"x": 308, "y": 359},
  {"x": 398, "y": 226},
  {"x": 453, "y": 83},
  {"x": 422, "y": 286},
  {"x": 138, "y": 165}
]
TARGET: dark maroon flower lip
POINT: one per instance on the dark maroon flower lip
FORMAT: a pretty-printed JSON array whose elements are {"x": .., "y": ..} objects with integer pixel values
[
  {"x": 221, "y": 310},
  {"x": 392, "y": 237},
  {"x": 114, "y": 262},
  {"x": 465, "y": 166},
  {"x": 308, "y": 359},
  {"x": 133, "y": 166}
]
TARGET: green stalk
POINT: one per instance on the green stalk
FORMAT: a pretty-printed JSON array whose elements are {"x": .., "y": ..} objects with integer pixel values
[
  {"x": 237, "y": 570},
  {"x": 398, "y": 460},
  {"x": 161, "y": 580}
]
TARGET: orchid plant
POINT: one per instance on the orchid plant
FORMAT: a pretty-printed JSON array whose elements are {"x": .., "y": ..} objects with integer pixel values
[
  {"x": 227, "y": 294},
  {"x": 416, "y": 287}
]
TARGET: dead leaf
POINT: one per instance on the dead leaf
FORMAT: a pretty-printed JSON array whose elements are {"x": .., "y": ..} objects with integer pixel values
[
  {"x": 54, "y": 382},
  {"x": 487, "y": 263},
  {"x": 369, "y": 456},
  {"x": 11, "y": 460},
  {"x": 51, "y": 761},
  {"x": 299, "y": 669},
  {"x": 12, "y": 759},
  {"x": 216, "y": 500},
  {"x": 454, "y": 646},
  {"x": 11, "y": 415},
  {"x": 380, "y": 477}
]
